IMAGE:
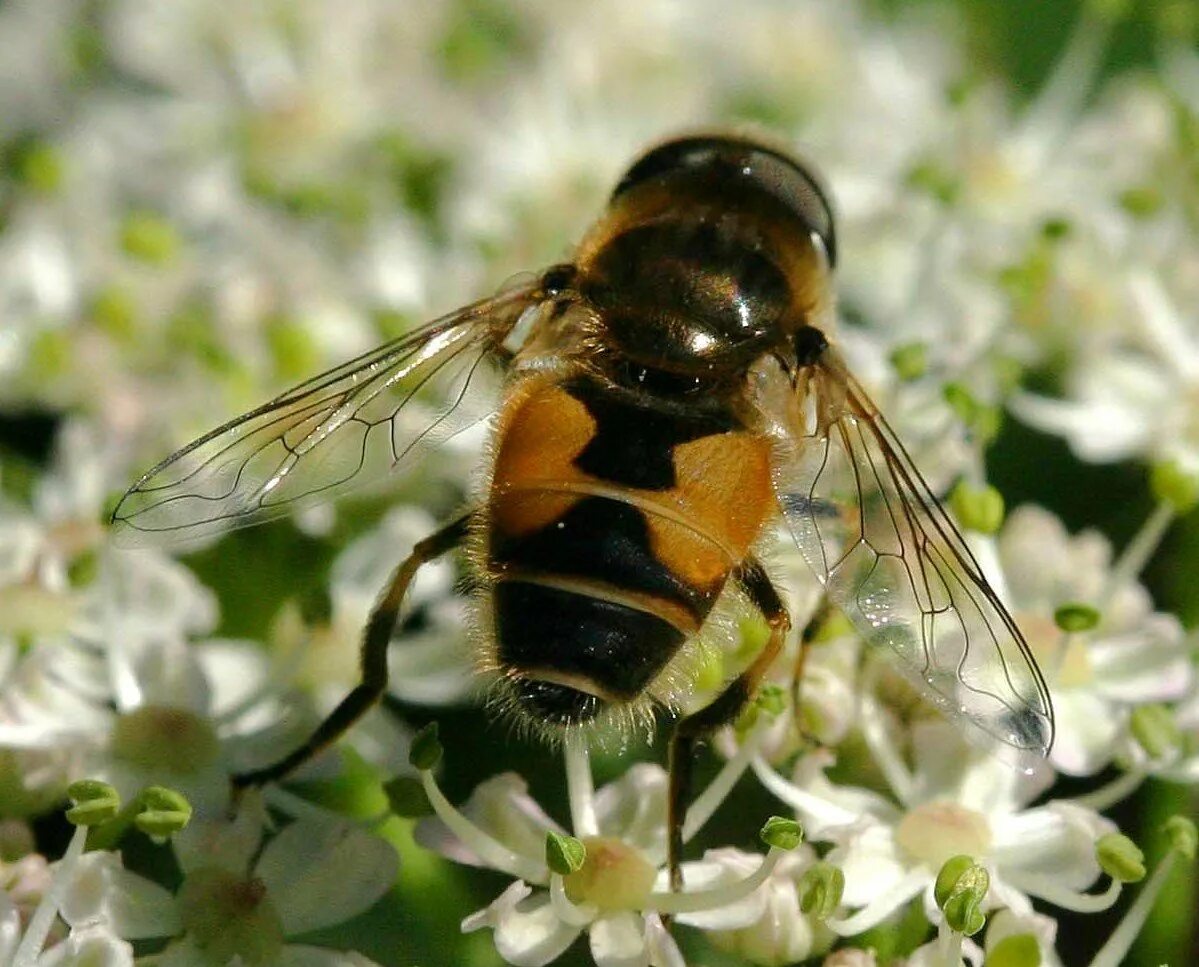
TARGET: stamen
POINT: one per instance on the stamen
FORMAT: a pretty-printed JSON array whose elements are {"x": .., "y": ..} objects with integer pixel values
[
  {"x": 708, "y": 801},
  {"x": 1045, "y": 888},
  {"x": 950, "y": 943},
  {"x": 1113, "y": 953},
  {"x": 43, "y": 917},
  {"x": 580, "y": 787},
  {"x": 1137, "y": 552},
  {"x": 886, "y": 755},
  {"x": 1061, "y": 96},
  {"x": 1110, "y": 793},
  {"x": 819, "y": 812},
  {"x": 569, "y": 912},
  {"x": 713, "y": 899},
  {"x": 882, "y": 906},
  {"x": 489, "y": 850}
]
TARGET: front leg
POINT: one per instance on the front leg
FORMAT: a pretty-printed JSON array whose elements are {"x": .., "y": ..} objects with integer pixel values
[{"x": 723, "y": 709}]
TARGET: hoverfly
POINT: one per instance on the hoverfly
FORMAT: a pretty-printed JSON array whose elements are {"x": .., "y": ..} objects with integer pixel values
[{"x": 659, "y": 401}]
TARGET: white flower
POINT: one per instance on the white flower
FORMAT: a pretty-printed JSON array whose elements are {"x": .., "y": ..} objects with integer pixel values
[
  {"x": 955, "y": 801},
  {"x": 237, "y": 898},
  {"x": 621, "y": 890},
  {"x": 1133, "y": 656},
  {"x": 1133, "y": 392},
  {"x": 134, "y": 702}
]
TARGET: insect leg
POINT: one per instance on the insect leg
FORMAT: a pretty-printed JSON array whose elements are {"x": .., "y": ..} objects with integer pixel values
[
  {"x": 724, "y": 708},
  {"x": 811, "y": 629},
  {"x": 375, "y": 639}
]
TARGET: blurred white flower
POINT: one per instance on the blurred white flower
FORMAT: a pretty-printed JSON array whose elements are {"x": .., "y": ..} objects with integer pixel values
[
  {"x": 129, "y": 697},
  {"x": 1133, "y": 394},
  {"x": 1133, "y": 656}
]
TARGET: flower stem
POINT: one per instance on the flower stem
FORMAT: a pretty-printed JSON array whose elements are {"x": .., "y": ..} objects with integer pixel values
[
  {"x": 1112, "y": 953},
  {"x": 579, "y": 784},
  {"x": 43, "y": 917}
]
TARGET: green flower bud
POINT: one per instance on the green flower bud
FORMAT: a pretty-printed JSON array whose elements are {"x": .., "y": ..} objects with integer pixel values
[
  {"x": 977, "y": 508},
  {"x": 1182, "y": 834},
  {"x": 820, "y": 890},
  {"x": 149, "y": 238},
  {"x": 1155, "y": 730},
  {"x": 1173, "y": 484},
  {"x": 1018, "y": 950},
  {"x": 771, "y": 699},
  {"x": 426, "y": 750},
  {"x": 1120, "y": 858},
  {"x": 910, "y": 361},
  {"x": 96, "y": 802},
  {"x": 564, "y": 854},
  {"x": 163, "y": 812},
  {"x": 1142, "y": 201},
  {"x": 407, "y": 797},
  {"x": 952, "y": 870},
  {"x": 1076, "y": 616},
  {"x": 781, "y": 833},
  {"x": 962, "y": 912}
]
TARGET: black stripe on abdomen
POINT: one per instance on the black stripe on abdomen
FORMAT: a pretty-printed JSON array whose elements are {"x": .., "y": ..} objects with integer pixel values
[
  {"x": 618, "y": 648},
  {"x": 602, "y": 540}
]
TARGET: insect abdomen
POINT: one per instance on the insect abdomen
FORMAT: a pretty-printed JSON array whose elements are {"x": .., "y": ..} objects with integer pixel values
[{"x": 614, "y": 526}]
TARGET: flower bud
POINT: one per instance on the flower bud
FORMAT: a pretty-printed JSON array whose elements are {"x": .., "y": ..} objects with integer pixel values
[
  {"x": 781, "y": 833},
  {"x": 820, "y": 890},
  {"x": 1155, "y": 730},
  {"x": 910, "y": 361},
  {"x": 564, "y": 854},
  {"x": 962, "y": 912},
  {"x": 96, "y": 802},
  {"x": 426, "y": 750},
  {"x": 1015, "y": 950},
  {"x": 163, "y": 812},
  {"x": 1175, "y": 485},
  {"x": 1076, "y": 616},
  {"x": 951, "y": 871},
  {"x": 1120, "y": 858},
  {"x": 977, "y": 508},
  {"x": 1182, "y": 835}
]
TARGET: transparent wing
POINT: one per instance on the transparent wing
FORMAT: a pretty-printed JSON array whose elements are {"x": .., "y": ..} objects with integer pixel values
[
  {"x": 356, "y": 423},
  {"x": 891, "y": 558}
]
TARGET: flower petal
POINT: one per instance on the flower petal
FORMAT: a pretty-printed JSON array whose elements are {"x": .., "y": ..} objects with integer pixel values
[
  {"x": 528, "y": 932},
  {"x": 321, "y": 873},
  {"x": 102, "y": 890},
  {"x": 618, "y": 940}
]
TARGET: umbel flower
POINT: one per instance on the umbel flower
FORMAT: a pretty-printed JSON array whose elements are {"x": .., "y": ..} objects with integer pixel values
[{"x": 197, "y": 210}]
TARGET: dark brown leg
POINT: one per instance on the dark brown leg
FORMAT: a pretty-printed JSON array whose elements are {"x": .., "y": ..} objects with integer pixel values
[
  {"x": 723, "y": 709},
  {"x": 819, "y": 616},
  {"x": 375, "y": 639}
]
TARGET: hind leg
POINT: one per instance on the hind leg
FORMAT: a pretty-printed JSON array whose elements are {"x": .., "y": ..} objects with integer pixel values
[{"x": 723, "y": 709}]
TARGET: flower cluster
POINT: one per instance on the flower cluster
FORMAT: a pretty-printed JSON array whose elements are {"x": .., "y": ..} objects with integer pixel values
[{"x": 199, "y": 208}]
